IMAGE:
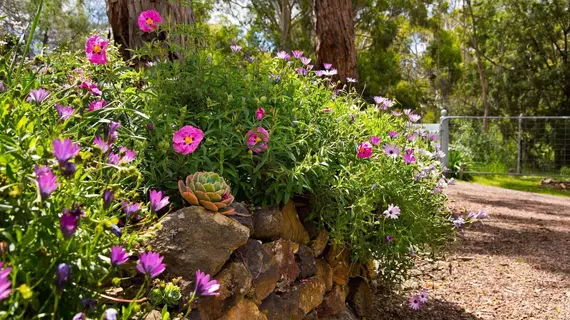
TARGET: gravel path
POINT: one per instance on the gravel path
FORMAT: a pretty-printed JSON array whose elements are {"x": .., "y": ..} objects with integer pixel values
[{"x": 516, "y": 265}]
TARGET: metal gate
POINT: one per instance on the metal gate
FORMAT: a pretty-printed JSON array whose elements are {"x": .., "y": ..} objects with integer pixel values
[{"x": 523, "y": 145}]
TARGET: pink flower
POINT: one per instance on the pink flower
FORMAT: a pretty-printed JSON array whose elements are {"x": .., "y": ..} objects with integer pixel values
[
  {"x": 305, "y": 60},
  {"x": 118, "y": 255},
  {"x": 64, "y": 112},
  {"x": 150, "y": 263},
  {"x": 375, "y": 140},
  {"x": 409, "y": 156},
  {"x": 327, "y": 110},
  {"x": 393, "y": 134},
  {"x": 327, "y": 65},
  {"x": 364, "y": 150},
  {"x": 260, "y": 113},
  {"x": 91, "y": 87},
  {"x": 297, "y": 54},
  {"x": 257, "y": 139},
  {"x": 96, "y": 105},
  {"x": 148, "y": 20},
  {"x": 187, "y": 139},
  {"x": 392, "y": 212},
  {"x": 95, "y": 49}
]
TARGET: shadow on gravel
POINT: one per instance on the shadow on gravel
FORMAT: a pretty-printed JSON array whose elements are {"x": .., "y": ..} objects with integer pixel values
[
  {"x": 536, "y": 204},
  {"x": 538, "y": 246},
  {"x": 394, "y": 307}
]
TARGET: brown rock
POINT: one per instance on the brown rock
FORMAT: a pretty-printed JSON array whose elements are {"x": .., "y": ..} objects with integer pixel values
[
  {"x": 365, "y": 270},
  {"x": 338, "y": 258},
  {"x": 267, "y": 223},
  {"x": 292, "y": 228},
  {"x": 287, "y": 267},
  {"x": 153, "y": 315},
  {"x": 320, "y": 243},
  {"x": 307, "y": 262},
  {"x": 325, "y": 273},
  {"x": 262, "y": 266},
  {"x": 278, "y": 308},
  {"x": 193, "y": 238},
  {"x": 311, "y": 316},
  {"x": 360, "y": 297},
  {"x": 235, "y": 282},
  {"x": 244, "y": 216},
  {"x": 344, "y": 315},
  {"x": 309, "y": 293},
  {"x": 244, "y": 310},
  {"x": 333, "y": 303}
]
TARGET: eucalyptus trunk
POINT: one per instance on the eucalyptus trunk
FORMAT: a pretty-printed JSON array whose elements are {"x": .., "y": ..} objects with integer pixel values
[
  {"x": 334, "y": 30},
  {"x": 123, "y": 15}
]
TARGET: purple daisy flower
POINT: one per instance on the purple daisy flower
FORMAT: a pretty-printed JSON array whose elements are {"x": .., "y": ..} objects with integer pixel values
[
  {"x": 389, "y": 238},
  {"x": 111, "y": 131},
  {"x": 38, "y": 95},
  {"x": 62, "y": 275},
  {"x": 131, "y": 208},
  {"x": 64, "y": 112},
  {"x": 205, "y": 287},
  {"x": 118, "y": 255},
  {"x": 283, "y": 55},
  {"x": 108, "y": 197},
  {"x": 5, "y": 283},
  {"x": 235, "y": 48},
  {"x": 393, "y": 134},
  {"x": 158, "y": 200},
  {"x": 65, "y": 149},
  {"x": 391, "y": 150},
  {"x": 482, "y": 214},
  {"x": 150, "y": 263},
  {"x": 96, "y": 105},
  {"x": 424, "y": 296},
  {"x": 415, "y": 303},
  {"x": 101, "y": 144},
  {"x": 458, "y": 223},
  {"x": 68, "y": 224},
  {"x": 305, "y": 61},
  {"x": 116, "y": 230},
  {"x": 79, "y": 316},
  {"x": 111, "y": 314},
  {"x": 327, "y": 66},
  {"x": 330, "y": 72},
  {"x": 375, "y": 140},
  {"x": 302, "y": 71},
  {"x": 409, "y": 157},
  {"x": 351, "y": 80},
  {"x": 392, "y": 212},
  {"x": 47, "y": 181},
  {"x": 297, "y": 54}
]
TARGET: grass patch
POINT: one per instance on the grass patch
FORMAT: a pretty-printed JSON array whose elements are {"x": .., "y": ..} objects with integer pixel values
[{"x": 529, "y": 184}]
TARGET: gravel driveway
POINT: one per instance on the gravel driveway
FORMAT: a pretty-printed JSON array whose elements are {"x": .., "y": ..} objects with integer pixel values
[{"x": 516, "y": 265}]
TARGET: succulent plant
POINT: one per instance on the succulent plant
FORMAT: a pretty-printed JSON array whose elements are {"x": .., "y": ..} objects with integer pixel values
[{"x": 209, "y": 190}]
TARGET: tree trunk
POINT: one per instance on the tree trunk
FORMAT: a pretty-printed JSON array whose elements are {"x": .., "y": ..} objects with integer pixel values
[
  {"x": 334, "y": 30},
  {"x": 123, "y": 16}
]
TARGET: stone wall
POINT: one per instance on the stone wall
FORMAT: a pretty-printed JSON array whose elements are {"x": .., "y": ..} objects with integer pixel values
[{"x": 268, "y": 265}]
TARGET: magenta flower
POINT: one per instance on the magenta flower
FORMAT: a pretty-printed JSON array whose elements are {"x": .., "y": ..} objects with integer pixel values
[
  {"x": 131, "y": 208},
  {"x": 62, "y": 275},
  {"x": 68, "y": 224},
  {"x": 96, "y": 105},
  {"x": 302, "y": 71},
  {"x": 327, "y": 110},
  {"x": 96, "y": 50},
  {"x": 415, "y": 303},
  {"x": 187, "y": 139},
  {"x": 305, "y": 61},
  {"x": 327, "y": 66},
  {"x": 91, "y": 87},
  {"x": 424, "y": 296},
  {"x": 283, "y": 55},
  {"x": 297, "y": 54},
  {"x": 392, "y": 212},
  {"x": 259, "y": 113},
  {"x": 47, "y": 181},
  {"x": 257, "y": 139},
  {"x": 158, "y": 200},
  {"x": 351, "y": 80},
  {"x": 205, "y": 287},
  {"x": 124, "y": 156},
  {"x": 148, "y": 20},
  {"x": 412, "y": 137},
  {"x": 5, "y": 283},
  {"x": 391, "y": 150},
  {"x": 374, "y": 140},
  {"x": 150, "y": 263},
  {"x": 409, "y": 157},
  {"x": 364, "y": 150},
  {"x": 235, "y": 48},
  {"x": 38, "y": 95},
  {"x": 108, "y": 197},
  {"x": 389, "y": 238},
  {"x": 118, "y": 255},
  {"x": 64, "y": 112},
  {"x": 101, "y": 144},
  {"x": 65, "y": 149},
  {"x": 393, "y": 134},
  {"x": 111, "y": 131}
]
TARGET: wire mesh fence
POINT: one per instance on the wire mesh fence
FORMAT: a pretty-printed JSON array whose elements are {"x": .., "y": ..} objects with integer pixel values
[{"x": 509, "y": 145}]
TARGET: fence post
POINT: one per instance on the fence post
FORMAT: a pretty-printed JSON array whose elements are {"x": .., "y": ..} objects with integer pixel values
[
  {"x": 444, "y": 136},
  {"x": 519, "y": 148}
]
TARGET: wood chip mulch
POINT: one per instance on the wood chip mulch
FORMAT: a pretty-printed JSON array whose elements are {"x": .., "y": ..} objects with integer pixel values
[{"x": 515, "y": 265}]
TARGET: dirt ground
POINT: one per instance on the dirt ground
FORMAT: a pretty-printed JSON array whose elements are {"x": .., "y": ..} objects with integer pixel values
[{"x": 515, "y": 265}]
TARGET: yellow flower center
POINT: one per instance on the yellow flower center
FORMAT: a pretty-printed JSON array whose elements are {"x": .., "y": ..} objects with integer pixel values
[
  {"x": 257, "y": 139},
  {"x": 97, "y": 48},
  {"x": 149, "y": 21},
  {"x": 188, "y": 140}
]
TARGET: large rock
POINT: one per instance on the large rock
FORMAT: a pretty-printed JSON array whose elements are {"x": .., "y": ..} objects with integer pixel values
[
  {"x": 267, "y": 223},
  {"x": 319, "y": 244},
  {"x": 360, "y": 297},
  {"x": 262, "y": 266},
  {"x": 325, "y": 273},
  {"x": 278, "y": 308},
  {"x": 284, "y": 256},
  {"x": 309, "y": 293},
  {"x": 193, "y": 238},
  {"x": 243, "y": 216},
  {"x": 333, "y": 303},
  {"x": 235, "y": 282},
  {"x": 244, "y": 310},
  {"x": 312, "y": 315},
  {"x": 338, "y": 258},
  {"x": 306, "y": 261},
  {"x": 292, "y": 228}
]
